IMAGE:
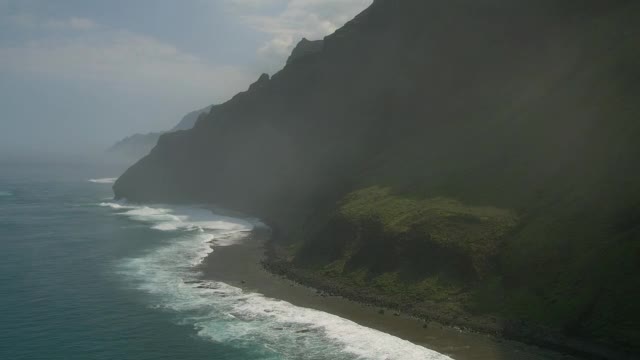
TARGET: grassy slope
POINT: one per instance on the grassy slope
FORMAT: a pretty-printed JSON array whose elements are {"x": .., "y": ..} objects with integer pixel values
[{"x": 412, "y": 250}]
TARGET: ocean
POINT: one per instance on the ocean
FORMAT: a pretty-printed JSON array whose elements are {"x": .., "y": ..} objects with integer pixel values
[{"x": 85, "y": 277}]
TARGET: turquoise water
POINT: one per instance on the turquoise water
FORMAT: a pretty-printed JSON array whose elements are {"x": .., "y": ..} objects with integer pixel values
[{"x": 83, "y": 277}]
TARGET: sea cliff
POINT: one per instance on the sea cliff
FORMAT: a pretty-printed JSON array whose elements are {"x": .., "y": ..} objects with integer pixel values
[{"x": 477, "y": 155}]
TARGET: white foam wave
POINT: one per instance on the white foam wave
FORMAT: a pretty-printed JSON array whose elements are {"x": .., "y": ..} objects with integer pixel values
[
  {"x": 103, "y": 180},
  {"x": 181, "y": 218},
  {"x": 116, "y": 205},
  {"x": 224, "y": 313},
  {"x": 346, "y": 338}
]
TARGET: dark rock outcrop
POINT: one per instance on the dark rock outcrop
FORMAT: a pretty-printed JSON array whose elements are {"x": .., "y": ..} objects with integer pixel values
[
  {"x": 304, "y": 49},
  {"x": 262, "y": 82}
]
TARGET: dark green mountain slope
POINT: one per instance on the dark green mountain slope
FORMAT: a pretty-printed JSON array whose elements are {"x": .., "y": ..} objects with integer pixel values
[{"x": 478, "y": 157}]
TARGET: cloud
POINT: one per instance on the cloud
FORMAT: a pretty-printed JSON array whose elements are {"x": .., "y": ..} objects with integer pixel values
[
  {"x": 121, "y": 59},
  {"x": 244, "y": 5},
  {"x": 124, "y": 61},
  {"x": 295, "y": 19},
  {"x": 30, "y": 21},
  {"x": 74, "y": 23}
]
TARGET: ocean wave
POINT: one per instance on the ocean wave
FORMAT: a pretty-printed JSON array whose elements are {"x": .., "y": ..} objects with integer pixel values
[
  {"x": 174, "y": 218},
  {"x": 5, "y": 193},
  {"x": 103, "y": 180},
  {"x": 223, "y": 313},
  {"x": 116, "y": 205}
]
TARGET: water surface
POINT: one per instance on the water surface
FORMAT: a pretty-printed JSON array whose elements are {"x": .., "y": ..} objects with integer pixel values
[{"x": 83, "y": 277}]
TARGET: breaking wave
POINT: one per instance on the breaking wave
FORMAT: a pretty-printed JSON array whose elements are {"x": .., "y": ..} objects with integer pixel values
[
  {"x": 103, "y": 180},
  {"x": 230, "y": 315}
]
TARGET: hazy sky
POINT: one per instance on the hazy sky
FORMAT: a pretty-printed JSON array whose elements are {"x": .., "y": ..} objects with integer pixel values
[{"x": 78, "y": 75}]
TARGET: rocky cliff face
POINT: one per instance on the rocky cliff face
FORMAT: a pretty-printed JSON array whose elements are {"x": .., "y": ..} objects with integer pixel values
[{"x": 515, "y": 119}]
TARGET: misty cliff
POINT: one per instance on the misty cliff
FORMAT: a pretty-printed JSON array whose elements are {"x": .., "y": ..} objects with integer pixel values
[
  {"x": 189, "y": 120},
  {"x": 136, "y": 146},
  {"x": 478, "y": 157}
]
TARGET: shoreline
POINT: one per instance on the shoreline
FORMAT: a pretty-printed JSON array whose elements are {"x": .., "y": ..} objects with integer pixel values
[
  {"x": 539, "y": 338},
  {"x": 246, "y": 265}
]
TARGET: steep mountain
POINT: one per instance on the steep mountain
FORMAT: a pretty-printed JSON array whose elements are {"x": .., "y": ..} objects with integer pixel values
[
  {"x": 136, "y": 146},
  {"x": 462, "y": 159}
]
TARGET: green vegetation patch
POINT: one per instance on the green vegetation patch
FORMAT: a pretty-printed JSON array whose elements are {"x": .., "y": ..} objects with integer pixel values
[
  {"x": 411, "y": 250},
  {"x": 421, "y": 225}
]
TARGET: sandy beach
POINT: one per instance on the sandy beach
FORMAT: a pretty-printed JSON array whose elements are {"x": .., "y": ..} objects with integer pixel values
[{"x": 240, "y": 265}]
